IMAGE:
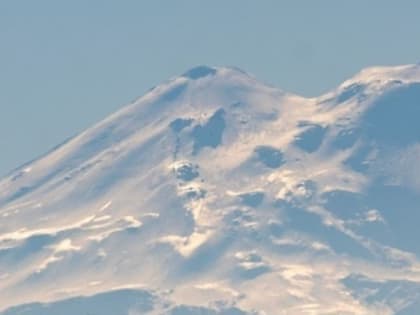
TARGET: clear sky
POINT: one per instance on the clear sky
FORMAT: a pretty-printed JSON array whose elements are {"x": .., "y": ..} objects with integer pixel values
[{"x": 67, "y": 64}]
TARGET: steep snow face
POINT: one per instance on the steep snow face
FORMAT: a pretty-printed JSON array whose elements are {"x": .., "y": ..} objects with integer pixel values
[{"x": 216, "y": 194}]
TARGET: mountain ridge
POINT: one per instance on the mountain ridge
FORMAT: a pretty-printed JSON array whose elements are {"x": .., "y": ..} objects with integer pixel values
[{"x": 218, "y": 187}]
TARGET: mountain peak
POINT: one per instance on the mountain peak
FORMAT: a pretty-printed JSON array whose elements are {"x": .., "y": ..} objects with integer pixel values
[
  {"x": 202, "y": 71},
  {"x": 213, "y": 187},
  {"x": 403, "y": 73}
]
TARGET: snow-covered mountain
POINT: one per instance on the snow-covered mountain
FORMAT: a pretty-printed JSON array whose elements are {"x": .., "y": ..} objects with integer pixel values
[{"x": 217, "y": 194}]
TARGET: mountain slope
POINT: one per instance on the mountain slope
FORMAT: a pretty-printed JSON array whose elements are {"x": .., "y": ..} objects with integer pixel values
[{"x": 213, "y": 188}]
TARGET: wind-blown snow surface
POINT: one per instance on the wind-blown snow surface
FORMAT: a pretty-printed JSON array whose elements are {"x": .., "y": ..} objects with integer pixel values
[{"x": 217, "y": 194}]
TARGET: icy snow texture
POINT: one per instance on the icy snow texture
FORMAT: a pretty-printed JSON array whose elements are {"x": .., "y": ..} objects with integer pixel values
[{"x": 216, "y": 194}]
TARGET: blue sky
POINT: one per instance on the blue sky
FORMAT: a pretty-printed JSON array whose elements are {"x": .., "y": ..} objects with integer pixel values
[{"x": 67, "y": 64}]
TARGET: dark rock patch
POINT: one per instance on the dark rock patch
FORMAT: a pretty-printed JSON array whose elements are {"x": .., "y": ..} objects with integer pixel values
[
  {"x": 349, "y": 92},
  {"x": 199, "y": 72},
  {"x": 173, "y": 93},
  {"x": 311, "y": 139},
  {"x": 346, "y": 139},
  {"x": 252, "y": 199},
  {"x": 180, "y": 123},
  {"x": 269, "y": 156},
  {"x": 186, "y": 171},
  {"x": 211, "y": 133}
]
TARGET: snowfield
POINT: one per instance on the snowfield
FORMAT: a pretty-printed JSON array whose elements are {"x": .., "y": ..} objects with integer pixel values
[{"x": 217, "y": 194}]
